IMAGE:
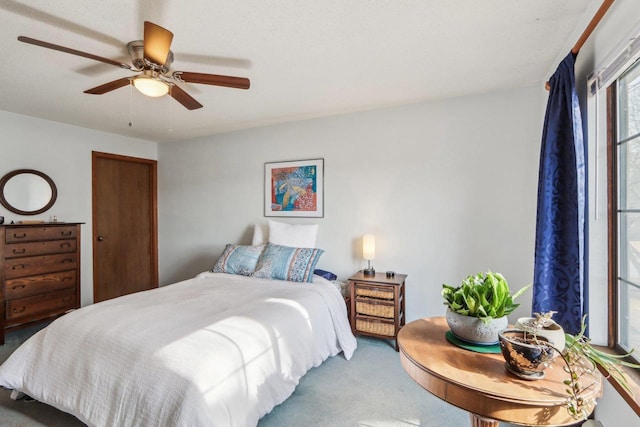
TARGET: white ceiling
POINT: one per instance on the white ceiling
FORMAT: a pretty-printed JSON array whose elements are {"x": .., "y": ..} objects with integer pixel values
[{"x": 305, "y": 58}]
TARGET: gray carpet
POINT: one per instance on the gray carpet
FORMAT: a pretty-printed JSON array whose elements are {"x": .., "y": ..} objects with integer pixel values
[{"x": 370, "y": 390}]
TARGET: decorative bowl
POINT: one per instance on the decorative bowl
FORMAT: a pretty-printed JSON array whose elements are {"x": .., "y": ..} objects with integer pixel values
[{"x": 526, "y": 356}]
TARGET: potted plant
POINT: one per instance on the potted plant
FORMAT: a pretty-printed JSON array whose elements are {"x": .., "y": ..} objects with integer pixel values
[
  {"x": 477, "y": 309},
  {"x": 527, "y": 355},
  {"x": 544, "y": 326}
]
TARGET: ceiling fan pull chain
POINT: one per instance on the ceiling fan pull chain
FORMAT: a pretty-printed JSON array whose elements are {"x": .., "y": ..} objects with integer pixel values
[
  {"x": 130, "y": 103},
  {"x": 170, "y": 109}
]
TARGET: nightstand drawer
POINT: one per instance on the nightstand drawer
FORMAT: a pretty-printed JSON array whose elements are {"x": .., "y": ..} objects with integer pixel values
[
  {"x": 373, "y": 291},
  {"x": 375, "y": 307},
  {"x": 372, "y": 325}
]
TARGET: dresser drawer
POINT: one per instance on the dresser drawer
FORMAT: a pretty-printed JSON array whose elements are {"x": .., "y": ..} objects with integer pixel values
[
  {"x": 33, "y": 285},
  {"x": 17, "y": 250},
  {"x": 41, "y": 305},
  {"x": 28, "y": 234},
  {"x": 30, "y": 266}
]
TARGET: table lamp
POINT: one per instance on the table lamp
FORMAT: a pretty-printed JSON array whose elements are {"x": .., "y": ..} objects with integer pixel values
[{"x": 369, "y": 253}]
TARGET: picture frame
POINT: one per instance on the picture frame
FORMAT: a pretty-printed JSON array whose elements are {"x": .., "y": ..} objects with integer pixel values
[{"x": 294, "y": 188}]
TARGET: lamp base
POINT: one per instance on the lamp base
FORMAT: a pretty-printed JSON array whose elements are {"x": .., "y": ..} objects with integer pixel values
[{"x": 369, "y": 272}]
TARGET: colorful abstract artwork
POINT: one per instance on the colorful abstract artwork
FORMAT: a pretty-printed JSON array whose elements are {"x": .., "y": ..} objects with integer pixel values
[{"x": 294, "y": 188}]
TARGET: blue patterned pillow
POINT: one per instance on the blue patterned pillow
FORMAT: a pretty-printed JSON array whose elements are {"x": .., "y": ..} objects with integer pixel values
[
  {"x": 286, "y": 263},
  {"x": 236, "y": 259}
]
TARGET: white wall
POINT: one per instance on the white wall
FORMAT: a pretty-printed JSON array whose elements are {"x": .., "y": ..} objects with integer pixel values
[
  {"x": 448, "y": 188},
  {"x": 613, "y": 411},
  {"x": 64, "y": 153}
]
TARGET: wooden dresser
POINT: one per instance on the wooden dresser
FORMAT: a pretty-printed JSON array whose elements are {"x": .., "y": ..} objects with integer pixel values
[{"x": 39, "y": 273}]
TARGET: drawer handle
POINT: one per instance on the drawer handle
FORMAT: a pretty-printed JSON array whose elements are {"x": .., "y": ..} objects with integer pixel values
[
  {"x": 15, "y": 310},
  {"x": 24, "y": 250},
  {"x": 18, "y": 287},
  {"x": 66, "y": 278},
  {"x": 65, "y": 245},
  {"x": 66, "y": 233},
  {"x": 17, "y": 266},
  {"x": 21, "y": 236},
  {"x": 66, "y": 260}
]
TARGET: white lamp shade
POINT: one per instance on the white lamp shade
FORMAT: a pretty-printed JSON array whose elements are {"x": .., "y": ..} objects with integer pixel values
[
  {"x": 150, "y": 86},
  {"x": 369, "y": 247}
]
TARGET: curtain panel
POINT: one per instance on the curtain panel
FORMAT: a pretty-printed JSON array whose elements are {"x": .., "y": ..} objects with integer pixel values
[{"x": 559, "y": 282}]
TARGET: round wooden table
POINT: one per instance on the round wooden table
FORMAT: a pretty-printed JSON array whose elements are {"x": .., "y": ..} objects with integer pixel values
[{"x": 480, "y": 383}]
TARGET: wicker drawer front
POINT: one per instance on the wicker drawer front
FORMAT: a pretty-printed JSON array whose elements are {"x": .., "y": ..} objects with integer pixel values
[
  {"x": 28, "y": 234},
  {"x": 16, "y": 250},
  {"x": 50, "y": 304},
  {"x": 373, "y": 307},
  {"x": 34, "y": 285},
  {"x": 31, "y": 266},
  {"x": 373, "y": 291},
  {"x": 375, "y": 326}
]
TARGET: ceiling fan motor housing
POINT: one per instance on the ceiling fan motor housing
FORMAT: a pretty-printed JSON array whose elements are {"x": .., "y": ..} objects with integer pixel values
[{"x": 136, "y": 52}]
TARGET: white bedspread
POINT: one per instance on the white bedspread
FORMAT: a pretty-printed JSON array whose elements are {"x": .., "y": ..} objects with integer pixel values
[{"x": 216, "y": 350}]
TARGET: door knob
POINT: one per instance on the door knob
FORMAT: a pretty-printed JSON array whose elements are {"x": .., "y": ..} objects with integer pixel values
[{"x": 100, "y": 238}]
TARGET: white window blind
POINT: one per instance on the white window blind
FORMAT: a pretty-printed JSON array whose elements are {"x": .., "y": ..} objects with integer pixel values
[{"x": 627, "y": 53}]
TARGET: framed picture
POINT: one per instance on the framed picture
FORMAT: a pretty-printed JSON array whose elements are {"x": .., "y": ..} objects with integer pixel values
[{"x": 294, "y": 189}]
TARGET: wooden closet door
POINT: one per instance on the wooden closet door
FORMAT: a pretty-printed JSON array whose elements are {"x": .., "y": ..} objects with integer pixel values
[{"x": 125, "y": 228}]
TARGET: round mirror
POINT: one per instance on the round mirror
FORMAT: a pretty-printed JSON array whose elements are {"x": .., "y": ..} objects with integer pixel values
[{"x": 27, "y": 192}]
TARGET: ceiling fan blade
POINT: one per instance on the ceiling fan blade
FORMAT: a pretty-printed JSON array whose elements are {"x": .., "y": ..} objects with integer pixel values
[
  {"x": 64, "y": 49},
  {"x": 157, "y": 41},
  {"x": 184, "y": 98},
  {"x": 108, "y": 87},
  {"x": 213, "y": 79}
]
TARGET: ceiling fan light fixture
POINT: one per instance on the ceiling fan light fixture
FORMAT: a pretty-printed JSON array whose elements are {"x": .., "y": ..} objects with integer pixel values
[{"x": 151, "y": 86}]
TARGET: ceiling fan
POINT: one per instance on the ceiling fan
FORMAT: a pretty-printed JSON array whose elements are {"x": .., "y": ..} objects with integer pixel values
[{"x": 151, "y": 58}]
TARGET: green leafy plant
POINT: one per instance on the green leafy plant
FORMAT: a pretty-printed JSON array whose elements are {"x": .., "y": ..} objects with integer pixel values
[
  {"x": 581, "y": 360},
  {"x": 486, "y": 296}
]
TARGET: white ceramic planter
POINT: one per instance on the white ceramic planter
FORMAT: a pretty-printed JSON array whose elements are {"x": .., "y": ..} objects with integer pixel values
[
  {"x": 474, "y": 330},
  {"x": 553, "y": 332}
]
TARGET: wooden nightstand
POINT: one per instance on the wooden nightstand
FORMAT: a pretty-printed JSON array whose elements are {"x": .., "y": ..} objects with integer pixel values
[{"x": 377, "y": 305}]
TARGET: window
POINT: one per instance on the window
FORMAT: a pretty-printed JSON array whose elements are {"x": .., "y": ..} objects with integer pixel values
[{"x": 624, "y": 130}]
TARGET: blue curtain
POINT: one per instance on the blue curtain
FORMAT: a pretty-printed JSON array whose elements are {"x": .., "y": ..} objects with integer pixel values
[{"x": 559, "y": 280}]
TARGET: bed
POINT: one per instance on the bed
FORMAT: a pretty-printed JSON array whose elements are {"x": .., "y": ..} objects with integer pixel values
[{"x": 216, "y": 350}]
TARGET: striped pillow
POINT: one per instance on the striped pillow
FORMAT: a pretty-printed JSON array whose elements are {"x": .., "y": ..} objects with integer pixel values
[
  {"x": 287, "y": 263},
  {"x": 237, "y": 259}
]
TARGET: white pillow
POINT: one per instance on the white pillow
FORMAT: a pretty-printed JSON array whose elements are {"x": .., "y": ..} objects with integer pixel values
[
  {"x": 295, "y": 236},
  {"x": 260, "y": 234}
]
